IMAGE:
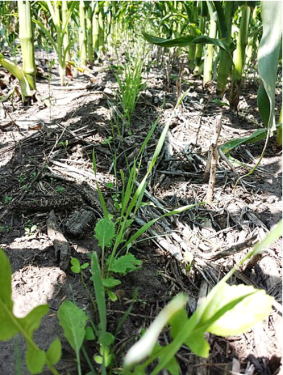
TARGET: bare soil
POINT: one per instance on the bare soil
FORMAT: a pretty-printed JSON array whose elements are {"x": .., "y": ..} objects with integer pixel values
[{"x": 46, "y": 165}]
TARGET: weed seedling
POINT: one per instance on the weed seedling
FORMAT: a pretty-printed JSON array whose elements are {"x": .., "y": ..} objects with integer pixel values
[
  {"x": 60, "y": 189},
  {"x": 7, "y": 199}
]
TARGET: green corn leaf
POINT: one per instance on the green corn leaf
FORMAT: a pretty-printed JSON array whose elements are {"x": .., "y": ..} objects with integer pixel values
[
  {"x": 268, "y": 57},
  {"x": 227, "y": 310},
  {"x": 252, "y": 309},
  {"x": 54, "y": 352},
  {"x": 146, "y": 344},
  {"x": 104, "y": 232},
  {"x": 73, "y": 321},
  {"x": 19, "y": 74},
  {"x": 125, "y": 264},
  {"x": 257, "y": 136},
  {"x": 221, "y": 19},
  {"x": 187, "y": 40},
  {"x": 271, "y": 237}
]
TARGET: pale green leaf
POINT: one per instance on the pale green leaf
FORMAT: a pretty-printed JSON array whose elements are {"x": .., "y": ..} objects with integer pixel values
[
  {"x": 110, "y": 282},
  {"x": 112, "y": 296},
  {"x": 268, "y": 57},
  {"x": 35, "y": 359},
  {"x": 33, "y": 319},
  {"x": 54, "y": 352},
  {"x": 89, "y": 333},
  {"x": 7, "y": 327},
  {"x": 73, "y": 321},
  {"x": 252, "y": 309},
  {"x": 105, "y": 232},
  {"x": 146, "y": 344},
  {"x": 76, "y": 267}
]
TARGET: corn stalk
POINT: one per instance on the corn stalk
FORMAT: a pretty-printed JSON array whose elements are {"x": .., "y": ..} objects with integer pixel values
[
  {"x": 83, "y": 34},
  {"x": 98, "y": 29},
  {"x": 268, "y": 58},
  {"x": 225, "y": 25},
  {"x": 240, "y": 57},
  {"x": 27, "y": 43},
  {"x": 208, "y": 57}
]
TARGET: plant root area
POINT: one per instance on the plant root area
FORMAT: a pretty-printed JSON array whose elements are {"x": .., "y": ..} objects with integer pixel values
[{"x": 47, "y": 181}]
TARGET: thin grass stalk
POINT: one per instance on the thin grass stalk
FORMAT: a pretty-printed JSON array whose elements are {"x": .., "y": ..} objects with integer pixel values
[
  {"x": 239, "y": 57},
  {"x": 27, "y": 42}
]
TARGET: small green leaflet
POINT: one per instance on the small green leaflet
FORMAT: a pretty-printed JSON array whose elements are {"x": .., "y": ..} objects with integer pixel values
[
  {"x": 110, "y": 282},
  {"x": 104, "y": 232},
  {"x": 125, "y": 264},
  {"x": 10, "y": 325}
]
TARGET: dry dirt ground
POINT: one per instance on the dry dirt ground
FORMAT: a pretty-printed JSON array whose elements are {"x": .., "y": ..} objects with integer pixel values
[{"x": 46, "y": 169}]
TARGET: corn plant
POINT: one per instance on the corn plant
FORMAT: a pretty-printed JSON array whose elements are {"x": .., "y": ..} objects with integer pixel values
[
  {"x": 240, "y": 56},
  {"x": 61, "y": 25},
  {"x": 25, "y": 74},
  {"x": 27, "y": 42},
  {"x": 268, "y": 62},
  {"x": 221, "y": 14},
  {"x": 227, "y": 310}
]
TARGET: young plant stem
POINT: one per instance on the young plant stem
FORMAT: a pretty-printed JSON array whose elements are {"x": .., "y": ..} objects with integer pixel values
[
  {"x": 88, "y": 293},
  {"x": 27, "y": 42},
  {"x": 239, "y": 59},
  {"x": 208, "y": 58},
  {"x": 66, "y": 38},
  {"x": 225, "y": 62},
  {"x": 89, "y": 14},
  {"x": 199, "y": 49}
]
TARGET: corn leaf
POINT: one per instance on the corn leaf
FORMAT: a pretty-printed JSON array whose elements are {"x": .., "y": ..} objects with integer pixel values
[
  {"x": 187, "y": 40},
  {"x": 268, "y": 57}
]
